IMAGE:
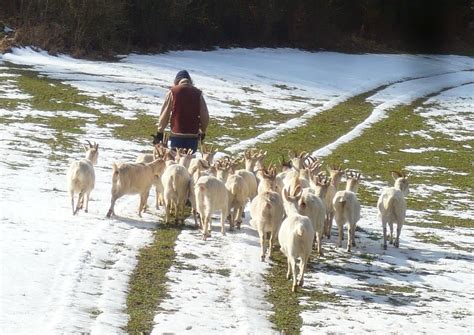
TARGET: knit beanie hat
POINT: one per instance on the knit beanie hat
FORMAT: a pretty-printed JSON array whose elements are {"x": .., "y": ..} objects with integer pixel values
[{"x": 181, "y": 75}]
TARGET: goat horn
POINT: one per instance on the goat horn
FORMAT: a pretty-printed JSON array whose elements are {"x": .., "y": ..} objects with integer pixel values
[{"x": 398, "y": 173}]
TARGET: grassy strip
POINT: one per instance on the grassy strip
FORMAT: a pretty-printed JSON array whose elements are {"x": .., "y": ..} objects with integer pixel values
[
  {"x": 323, "y": 128},
  {"x": 393, "y": 134},
  {"x": 244, "y": 126},
  {"x": 147, "y": 287},
  {"x": 286, "y": 306},
  {"x": 389, "y": 135},
  {"x": 318, "y": 131},
  {"x": 435, "y": 239}
]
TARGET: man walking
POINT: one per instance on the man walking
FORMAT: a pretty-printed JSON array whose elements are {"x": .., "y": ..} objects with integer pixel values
[{"x": 186, "y": 112}]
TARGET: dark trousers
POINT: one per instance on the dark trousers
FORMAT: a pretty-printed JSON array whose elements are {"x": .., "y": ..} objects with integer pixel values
[{"x": 184, "y": 142}]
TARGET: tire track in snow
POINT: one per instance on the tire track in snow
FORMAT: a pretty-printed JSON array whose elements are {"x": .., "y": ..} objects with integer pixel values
[
  {"x": 93, "y": 294},
  {"x": 216, "y": 286},
  {"x": 401, "y": 93},
  {"x": 300, "y": 121}
]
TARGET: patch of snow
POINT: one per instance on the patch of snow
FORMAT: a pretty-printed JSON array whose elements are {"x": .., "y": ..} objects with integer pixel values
[
  {"x": 221, "y": 276},
  {"x": 428, "y": 149},
  {"x": 397, "y": 94},
  {"x": 434, "y": 276},
  {"x": 450, "y": 112},
  {"x": 66, "y": 274}
]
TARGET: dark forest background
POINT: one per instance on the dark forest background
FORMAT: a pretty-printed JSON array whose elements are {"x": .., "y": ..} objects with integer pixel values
[{"x": 102, "y": 28}]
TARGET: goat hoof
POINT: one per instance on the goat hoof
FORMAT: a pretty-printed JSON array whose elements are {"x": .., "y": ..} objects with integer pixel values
[
  {"x": 385, "y": 247},
  {"x": 262, "y": 258},
  {"x": 293, "y": 289}
]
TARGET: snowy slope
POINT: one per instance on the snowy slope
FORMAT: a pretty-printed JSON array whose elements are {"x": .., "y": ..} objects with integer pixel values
[{"x": 65, "y": 274}]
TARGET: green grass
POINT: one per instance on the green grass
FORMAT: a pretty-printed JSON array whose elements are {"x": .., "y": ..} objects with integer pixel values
[
  {"x": 286, "y": 306},
  {"x": 250, "y": 89},
  {"x": 147, "y": 286},
  {"x": 390, "y": 135},
  {"x": 435, "y": 239},
  {"x": 390, "y": 289},
  {"x": 245, "y": 125},
  {"x": 284, "y": 87},
  {"x": 323, "y": 128},
  {"x": 224, "y": 272}
]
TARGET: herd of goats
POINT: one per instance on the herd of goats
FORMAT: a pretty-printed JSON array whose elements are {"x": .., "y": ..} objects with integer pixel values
[{"x": 296, "y": 205}]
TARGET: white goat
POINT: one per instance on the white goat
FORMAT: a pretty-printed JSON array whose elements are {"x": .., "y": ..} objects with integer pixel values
[
  {"x": 392, "y": 207},
  {"x": 211, "y": 195},
  {"x": 208, "y": 153},
  {"x": 148, "y": 158},
  {"x": 184, "y": 157},
  {"x": 176, "y": 190},
  {"x": 335, "y": 174},
  {"x": 313, "y": 207},
  {"x": 251, "y": 181},
  {"x": 134, "y": 178},
  {"x": 347, "y": 209},
  {"x": 266, "y": 211},
  {"x": 296, "y": 238},
  {"x": 302, "y": 166},
  {"x": 81, "y": 177},
  {"x": 238, "y": 197},
  {"x": 254, "y": 159}
]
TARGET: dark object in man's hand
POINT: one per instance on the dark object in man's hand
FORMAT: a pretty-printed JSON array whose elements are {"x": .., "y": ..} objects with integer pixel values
[{"x": 158, "y": 138}]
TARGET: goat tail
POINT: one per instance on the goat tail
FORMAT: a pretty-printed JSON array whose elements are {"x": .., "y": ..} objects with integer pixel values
[
  {"x": 173, "y": 182},
  {"x": 344, "y": 198},
  {"x": 388, "y": 202},
  {"x": 115, "y": 172},
  {"x": 300, "y": 230},
  {"x": 202, "y": 188},
  {"x": 235, "y": 189}
]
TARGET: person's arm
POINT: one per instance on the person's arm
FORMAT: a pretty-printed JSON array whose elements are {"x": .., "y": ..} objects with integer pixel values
[
  {"x": 204, "y": 115},
  {"x": 165, "y": 113}
]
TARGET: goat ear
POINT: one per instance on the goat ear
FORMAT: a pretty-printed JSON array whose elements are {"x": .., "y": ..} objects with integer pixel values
[
  {"x": 86, "y": 148},
  {"x": 395, "y": 175},
  {"x": 285, "y": 193}
]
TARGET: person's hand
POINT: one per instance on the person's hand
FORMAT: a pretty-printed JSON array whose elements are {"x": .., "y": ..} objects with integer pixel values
[
  {"x": 202, "y": 136},
  {"x": 158, "y": 138}
]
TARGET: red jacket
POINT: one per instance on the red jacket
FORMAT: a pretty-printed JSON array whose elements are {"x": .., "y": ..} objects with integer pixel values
[{"x": 186, "y": 109}]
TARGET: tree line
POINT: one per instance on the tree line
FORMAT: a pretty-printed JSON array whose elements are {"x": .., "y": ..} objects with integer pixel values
[{"x": 106, "y": 27}]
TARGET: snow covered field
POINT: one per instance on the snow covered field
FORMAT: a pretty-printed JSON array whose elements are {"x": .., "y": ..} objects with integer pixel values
[{"x": 65, "y": 274}]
